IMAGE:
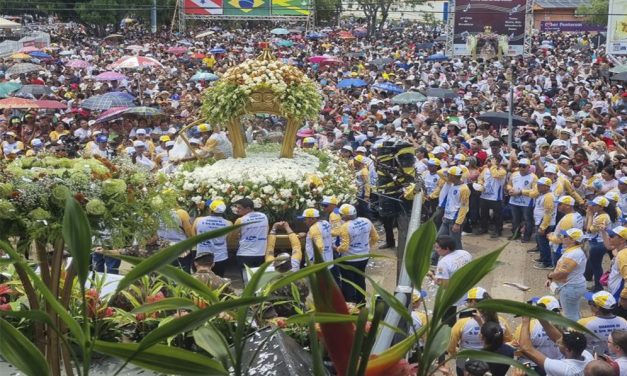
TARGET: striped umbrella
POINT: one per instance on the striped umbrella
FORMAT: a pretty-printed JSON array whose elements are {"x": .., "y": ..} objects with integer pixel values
[
  {"x": 28, "y": 49},
  {"x": 110, "y": 76},
  {"x": 120, "y": 94},
  {"x": 7, "y": 88},
  {"x": 136, "y": 62},
  {"x": 177, "y": 50},
  {"x": 23, "y": 68},
  {"x": 17, "y": 103},
  {"x": 76, "y": 63},
  {"x": 111, "y": 114},
  {"x": 143, "y": 111},
  {"x": 52, "y": 105},
  {"x": 104, "y": 102},
  {"x": 34, "y": 90}
]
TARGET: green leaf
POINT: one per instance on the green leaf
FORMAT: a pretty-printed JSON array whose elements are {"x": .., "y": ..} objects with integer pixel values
[
  {"x": 35, "y": 315},
  {"x": 163, "y": 359},
  {"x": 371, "y": 337},
  {"x": 463, "y": 279},
  {"x": 194, "y": 320},
  {"x": 180, "y": 277},
  {"x": 167, "y": 304},
  {"x": 320, "y": 317},
  {"x": 489, "y": 357},
  {"x": 77, "y": 237},
  {"x": 46, "y": 293},
  {"x": 360, "y": 331},
  {"x": 419, "y": 249},
  {"x": 19, "y": 351},
  {"x": 212, "y": 341},
  {"x": 528, "y": 310},
  {"x": 316, "y": 351},
  {"x": 169, "y": 254},
  {"x": 436, "y": 345}
]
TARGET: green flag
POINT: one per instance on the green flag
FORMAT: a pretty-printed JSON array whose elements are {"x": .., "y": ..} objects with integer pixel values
[
  {"x": 290, "y": 7},
  {"x": 247, "y": 7}
]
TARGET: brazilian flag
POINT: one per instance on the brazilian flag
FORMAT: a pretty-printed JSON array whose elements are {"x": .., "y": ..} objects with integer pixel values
[
  {"x": 247, "y": 7},
  {"x": 290, "y": 7}
]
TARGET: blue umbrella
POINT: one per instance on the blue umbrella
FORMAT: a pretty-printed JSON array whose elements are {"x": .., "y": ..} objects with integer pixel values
[
  {"x": 204, "y": 76},
  {"x": 105, "y": 102},
  {"x": 315, "y": 35},
  {"x": 120, "y": 94},
  {"x": 389, "y": 87},
  {"x": 437, "y": 57},
  {"x": 40, "y": 55},
  {"x": 217, "y": 50},
  {"x": 284, "y": 43},
  {"x": 280, "y": 31},
  {"x": 351, "y": 82}
]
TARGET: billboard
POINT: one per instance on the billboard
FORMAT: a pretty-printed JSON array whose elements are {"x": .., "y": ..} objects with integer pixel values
[
  {"x": 489, "y": 28},
  {"x": 617, "y": 28},
  {"x": 569, "y": 26},
  {"x": 235, "y": 8}
]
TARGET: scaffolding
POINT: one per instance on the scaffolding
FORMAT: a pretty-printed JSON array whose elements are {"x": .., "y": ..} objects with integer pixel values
[{"x": 309, "y": 19}]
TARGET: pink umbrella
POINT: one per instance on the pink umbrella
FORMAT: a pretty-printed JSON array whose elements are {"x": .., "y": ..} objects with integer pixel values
[
  {"x": 77, "y": 64},
  {"x": 111, "y": 114},
  {"x": 135, "y": 62},
  {"x": 49, "y": 104},
  {"x": 319, "y": 58},
  {"x": 110, "y": 76},
  {"x": 29, "y": 49},
  {"x": 135, "y": 47},
  {"x": 177, "y": 50},
  {"x": 331, "y": 61}
]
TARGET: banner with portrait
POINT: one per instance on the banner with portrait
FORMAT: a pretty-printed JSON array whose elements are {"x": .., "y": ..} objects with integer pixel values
[
  {"x": 489, "y": 28},
  {"x": 617, "y": 28}
]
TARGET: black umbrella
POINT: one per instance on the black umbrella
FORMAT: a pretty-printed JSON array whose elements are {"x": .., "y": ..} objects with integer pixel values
[
  {"x": 424, "y": 46},
  {"x": 619, "y": 77},
  {"x": 382, "y": 61},
  {"x": 502, "y": 119},
  {"x": 436, "y": 92}
]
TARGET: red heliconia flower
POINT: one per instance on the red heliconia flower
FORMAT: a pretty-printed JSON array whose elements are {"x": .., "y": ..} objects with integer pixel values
[
  {"x": 140, "y": 316},
  {"x": 6, "y": 290},
  {"x": 5, "y": 307},
  {"x": 155, "y": 298},
  {"x": 400, "y": 368}
]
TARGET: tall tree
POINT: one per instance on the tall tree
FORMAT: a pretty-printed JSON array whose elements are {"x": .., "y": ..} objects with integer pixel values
[{"x": 595, "y": 11}]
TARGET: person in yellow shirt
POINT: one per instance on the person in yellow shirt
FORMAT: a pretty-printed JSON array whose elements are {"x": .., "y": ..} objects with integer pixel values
[
  {"x": 490, "y": 183},
  {"x": 571, "y": 219},
  {"x": 357, "y": 237},
  {"x": 562, "y": 186},
  {"x": 419, "y": 316},
  {"x": 141, "y": 135},
  {"x": 466, "y": 333},
  {"x": 455, "y": 199},
  {"x": 520, "y": 185},
  {"x": 320, "y": 240},
  {"x": 616, "y": 239},
  {"x": 544, "y": 216},
  {"x": 363, "y": 186},
  {"x": 180, "y": 229},
  {"x": 59, "y": 131},
  {"x": 602, "y": 322},
  {"x": 600, "y": 214},
  {"x": 36, "y": 147},
  {"x": 295, "y": 245}
]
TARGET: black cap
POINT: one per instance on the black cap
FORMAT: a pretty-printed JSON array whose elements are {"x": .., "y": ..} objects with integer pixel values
[{"x": 204, "y": 258}]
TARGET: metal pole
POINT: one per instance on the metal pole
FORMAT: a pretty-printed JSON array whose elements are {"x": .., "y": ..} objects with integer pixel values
[
  {"x": 510, "y": 122},
  {"x": 153, "y": 17},
  {"x": 403, "y": 289}
]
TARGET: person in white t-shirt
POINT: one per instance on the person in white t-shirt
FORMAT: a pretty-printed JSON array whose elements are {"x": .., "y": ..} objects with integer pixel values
[
  {"x": 252, "y": 236},
  {"x": 617, "y": 346},
  {"x": 571, "y": 344}
]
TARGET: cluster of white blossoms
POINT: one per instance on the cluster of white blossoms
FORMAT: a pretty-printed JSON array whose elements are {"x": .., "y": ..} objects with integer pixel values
[{"x": 272, "y": 74}]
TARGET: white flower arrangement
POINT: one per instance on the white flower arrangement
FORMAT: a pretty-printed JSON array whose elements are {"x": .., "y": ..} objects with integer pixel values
[{"x": 279, "y": 187}]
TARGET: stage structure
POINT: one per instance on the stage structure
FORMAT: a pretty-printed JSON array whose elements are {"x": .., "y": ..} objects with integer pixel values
[
  {"x": 490, "y": 28},
  {"x": 247, "y": 10}
]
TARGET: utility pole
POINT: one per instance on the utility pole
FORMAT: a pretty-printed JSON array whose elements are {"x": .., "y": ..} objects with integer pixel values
[{"x": 153, "y": 17}]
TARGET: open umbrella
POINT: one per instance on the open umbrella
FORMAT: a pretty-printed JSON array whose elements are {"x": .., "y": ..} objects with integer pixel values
[
  {"x": 198, "y": 55},
  {"x": 502, "y": 119},
  {"x": 280, "y": 31},
  {"x": 52, "y": 105},
  {"x": 409, "y": 97},
  {"x": 360, "y": 32},
  {"x": 120, "y": 94},
  {"x": 7, "y": 88},
  {"x": 144, "y": 111},
  {"x": 332, "y": 61},
  {"x": 34, "y": 90},
  {"x": 204, "y": 34},
  {"x": 135, "y": 47},
  {"x": 437, "y": 57},
  {"x": 441, "y": 38},
  {"x": 436, "y": 92},
  {"x": 389, "y": 87},
  {"x": 217, "y": 50},
  {"x": 284, "y": 43},
  {"x": 20, "y": 56},
  {"x": 351, "y": 82},
  {"x": 619, "y": 69},
  {"x": 17, "y": 103},
  {"x": 66, "y": 53},
  {"x": 383, "y": 61},
  {"x": 346, "y": 35},
  {"x": 315, "y": 36},
  {"x": 177, "y": 50},
  {"x": 423, "y": 46},
  {"x": 204, "y": 76},
  {"x": 319, "y": 58},
  {"x": 135, "y": 62},
  {"x": 103, "y": 102},
  {"x": 22, "y": 68},
  {"x": 76, "y": 63},
  {"x": 40, "y": 55},
  {"x": 619, "y": 77},
  {"x": 114, "y": 36},
  {"x": 28, "y": 49},
  {"x": 111, "y": 114},
  {"x": 110, "y": 76}
]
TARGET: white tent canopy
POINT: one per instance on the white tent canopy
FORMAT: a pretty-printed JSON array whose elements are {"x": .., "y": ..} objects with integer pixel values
[{"x": 6, "y": 24}]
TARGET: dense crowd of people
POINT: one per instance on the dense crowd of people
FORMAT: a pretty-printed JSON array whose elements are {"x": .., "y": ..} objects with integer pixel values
[{"x": 562, "y": 181}]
